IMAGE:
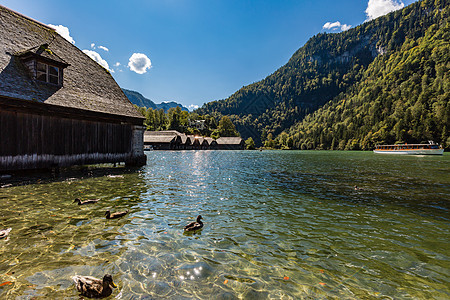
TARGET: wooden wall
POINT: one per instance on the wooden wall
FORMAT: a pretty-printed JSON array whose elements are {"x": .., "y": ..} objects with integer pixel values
[{"x": 29, "y": 141}]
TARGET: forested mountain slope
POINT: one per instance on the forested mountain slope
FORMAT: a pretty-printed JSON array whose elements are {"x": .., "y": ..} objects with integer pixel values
[
  {"x": 401, "y": 97},
  {"x": 331, "y": 67}
]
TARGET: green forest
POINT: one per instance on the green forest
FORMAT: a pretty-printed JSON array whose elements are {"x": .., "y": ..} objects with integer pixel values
[
  {"x": 385, "y": 81},
  {"x": 181, "y": 121}
]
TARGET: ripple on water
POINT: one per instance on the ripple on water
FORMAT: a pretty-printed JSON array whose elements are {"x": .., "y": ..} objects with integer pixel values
[{"x": 278, "y": 225}]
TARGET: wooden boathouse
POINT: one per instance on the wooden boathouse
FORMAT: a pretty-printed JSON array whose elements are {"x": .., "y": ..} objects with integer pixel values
[
  {"x": 58, "y": 107},
  {"x": 212, "y": 144},
  {"x": 174, "y": 140},
  {"x": 230, "y": 143},
  {"x": 163, "y": 140}
]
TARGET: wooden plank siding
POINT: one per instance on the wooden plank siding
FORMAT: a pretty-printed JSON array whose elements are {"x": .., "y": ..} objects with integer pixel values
[{"x": 29, "y": 141}]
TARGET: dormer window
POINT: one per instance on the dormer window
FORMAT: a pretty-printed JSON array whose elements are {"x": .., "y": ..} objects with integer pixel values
[
  {"x": 47, "y": 73},
  {"x": 43, "y": 64}
]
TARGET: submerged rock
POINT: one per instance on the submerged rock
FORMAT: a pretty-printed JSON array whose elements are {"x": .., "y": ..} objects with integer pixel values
[{"x": 255, "y": 295}]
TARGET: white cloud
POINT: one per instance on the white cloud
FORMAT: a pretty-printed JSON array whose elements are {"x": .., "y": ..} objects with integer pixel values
[
  {"x": 93, "y": 46},
  {"x": 377, "y": 8},
  {"x": 96, "y": 57},
  {"x": 139, "y": 63},
  {"x": 117, "y": 64},
  {"x": 63, "y": 31},
  {"x": 336, "y": 26},
  {"x": 103, "y": 48},
  {"x": 192, "y": 107},
  {"x": 345, "y": 27},
  {"x": 329, "y": 25}
]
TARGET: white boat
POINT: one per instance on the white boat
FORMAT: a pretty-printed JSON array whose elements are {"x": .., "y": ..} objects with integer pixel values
[{"x": 410, "y": 149}]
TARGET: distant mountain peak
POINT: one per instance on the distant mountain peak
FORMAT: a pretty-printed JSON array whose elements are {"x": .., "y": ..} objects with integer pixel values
[
  {"x": 335, "y": 67},
  {"x": 139, "y": 100}
]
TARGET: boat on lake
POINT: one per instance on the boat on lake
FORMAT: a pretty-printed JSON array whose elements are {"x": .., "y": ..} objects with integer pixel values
[{"x": 412, "y": 149}]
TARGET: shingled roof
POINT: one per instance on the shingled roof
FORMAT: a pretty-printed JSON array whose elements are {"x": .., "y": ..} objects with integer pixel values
[
  {"x": 229, "y": 140},
  {"x": 148, "y": 139},
  {"x": 164, "y": 132},
  {"x": 43, "y": 52},
  {"x": 185, "y": 139},
  {"x": 86, "y": 85},
  {"x": 210, "y": 141},
  {"x": 202, "y": 141}
]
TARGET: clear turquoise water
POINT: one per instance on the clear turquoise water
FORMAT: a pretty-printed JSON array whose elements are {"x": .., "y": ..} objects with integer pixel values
[{"x": 278, "y": 225}]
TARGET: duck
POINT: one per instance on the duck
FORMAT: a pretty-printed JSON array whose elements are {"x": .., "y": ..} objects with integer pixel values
[
  {"x": 194, "y": 225},
  {"x": 4, "y": 232},
  {"x": 92, "y": 287},
  {"x": 115, "y": 215},
  {"x": 90, "y": 201},
  {"x": 358, "y": 188}
]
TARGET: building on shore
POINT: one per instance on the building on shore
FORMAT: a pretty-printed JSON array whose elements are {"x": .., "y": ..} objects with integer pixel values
[
  {"x": 198, "y": 124},
  {"x": 230, "y": 143},
  {"x": 203, "y": 143},
  {"x": 174, "y": 140},
  {"x": 58, "y": 107},
  {"x": 196, "y": 145},
  {"x": 163, "y": 140},
  {"x": 212, "y": 144},
  {"x": 186, "y": 142}
]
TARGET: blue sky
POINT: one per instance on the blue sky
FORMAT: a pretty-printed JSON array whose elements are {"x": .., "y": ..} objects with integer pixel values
[{"x": 196, "y": 51}]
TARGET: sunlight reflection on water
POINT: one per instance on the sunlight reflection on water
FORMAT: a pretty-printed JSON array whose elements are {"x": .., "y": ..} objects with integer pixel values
[{"x": 277, "y": 225}]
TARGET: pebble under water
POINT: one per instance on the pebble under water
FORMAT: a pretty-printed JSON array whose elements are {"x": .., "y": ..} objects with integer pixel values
[{"x": 278, "y": 225}]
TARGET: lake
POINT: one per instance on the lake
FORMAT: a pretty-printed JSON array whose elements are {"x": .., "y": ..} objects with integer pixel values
[{"x": 278, "y": 225}]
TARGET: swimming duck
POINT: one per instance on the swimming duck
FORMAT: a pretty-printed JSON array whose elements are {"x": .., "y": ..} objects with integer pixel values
[
  {"x": 115, "y": 215},
  {"x": 90, "y": 201},
  {"x": 4, "y": 233},
  {"x": 194, "y": 225},
  {"x": 358, "y": 188},
  {"x": 92, "y": 287}
]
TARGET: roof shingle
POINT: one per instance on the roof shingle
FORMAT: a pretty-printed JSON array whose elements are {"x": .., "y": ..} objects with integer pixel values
[{"x": 86, "y": 84}]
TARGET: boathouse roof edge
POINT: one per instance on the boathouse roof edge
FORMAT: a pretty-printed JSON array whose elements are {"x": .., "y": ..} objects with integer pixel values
[{"x": 84, "y": 83}]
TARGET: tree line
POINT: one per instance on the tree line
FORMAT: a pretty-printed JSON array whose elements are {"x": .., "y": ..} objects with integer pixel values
[
  {"x": 384, "y": 81},
  {"x": 182, "y": 121},
  {"x": 402, "y": 97}
]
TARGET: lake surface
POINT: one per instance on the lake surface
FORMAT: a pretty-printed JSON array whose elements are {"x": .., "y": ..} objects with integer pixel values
[{"x": 278, "y": 225}]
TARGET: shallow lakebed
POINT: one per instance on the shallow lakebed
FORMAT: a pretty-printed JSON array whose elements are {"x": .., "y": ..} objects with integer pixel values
[{"x": 278, "y": 225}]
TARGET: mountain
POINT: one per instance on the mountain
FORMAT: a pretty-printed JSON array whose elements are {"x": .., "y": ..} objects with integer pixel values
[
  {"x": 167, "y": 105},
  {"x": 331, "y": 68},
  {"x": 401, "y": 97},
  {"x": 139, "y": 100}
]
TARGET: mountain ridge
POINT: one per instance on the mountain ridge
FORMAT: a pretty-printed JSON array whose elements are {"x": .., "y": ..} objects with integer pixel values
[
  {"x": 327, "y": 66},
  {"x": 141, "y": 101}
]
